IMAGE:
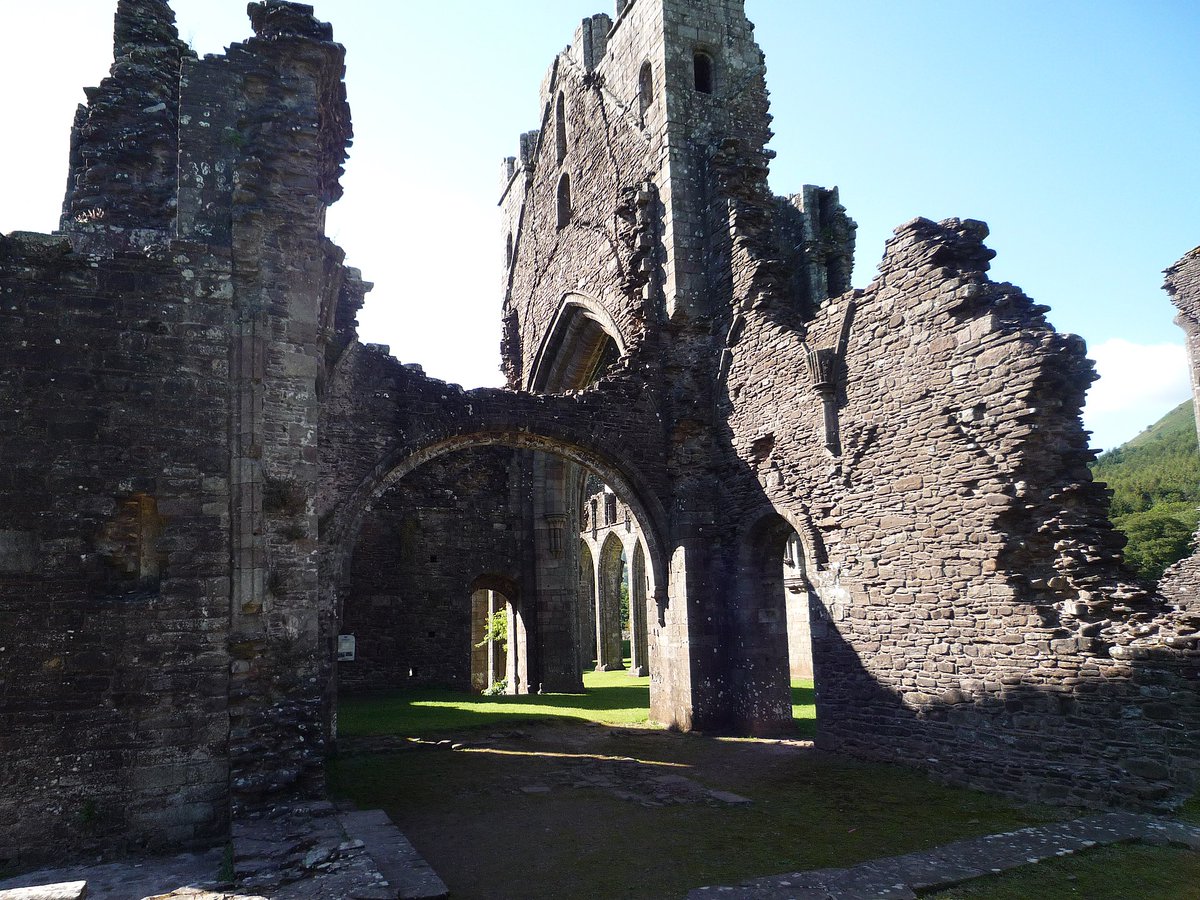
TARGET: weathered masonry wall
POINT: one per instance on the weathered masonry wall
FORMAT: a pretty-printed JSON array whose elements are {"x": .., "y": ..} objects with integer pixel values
[
  {"x": 1181, "y": 583},
  {"x": 114, "y": 589},
  {"x": 383, "y": 423},
  {"x": 922, "y": 438},
  {"x": 976, "y": 621},
  {"x": 163, "y": 358},
  {"x": 422, "y": 549}
]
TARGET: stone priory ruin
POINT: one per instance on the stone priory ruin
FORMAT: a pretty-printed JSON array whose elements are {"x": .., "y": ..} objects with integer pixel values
[{"x": 209, "y": 483}]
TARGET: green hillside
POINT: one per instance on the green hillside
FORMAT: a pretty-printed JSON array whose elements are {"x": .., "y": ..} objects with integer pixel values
[{"x": 1155, "y": 480}]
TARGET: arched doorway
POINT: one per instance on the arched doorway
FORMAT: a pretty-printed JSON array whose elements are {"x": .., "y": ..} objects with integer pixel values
[
  {"x": 435, "y": 556},
  {"x": 770, "y": 633},
  {"x": 496, "y": 634},
  {"x": 543, "y": 655}
]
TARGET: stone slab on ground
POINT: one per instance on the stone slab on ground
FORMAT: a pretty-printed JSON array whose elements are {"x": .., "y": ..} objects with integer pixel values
[
  {"x": 902, "y": 877},
  {"x": 405, "y": 870},
  {"x": 133, "y": 879},
  {"x": 72, "y": 890},
  {"x": 193, "y": 894},
  {"x": 292, "y": 852},
  {"x": 301, "y": 852}
]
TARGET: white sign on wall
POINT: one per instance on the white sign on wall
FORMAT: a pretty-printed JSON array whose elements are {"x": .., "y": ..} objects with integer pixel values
[{"x": 345, "y": 648}]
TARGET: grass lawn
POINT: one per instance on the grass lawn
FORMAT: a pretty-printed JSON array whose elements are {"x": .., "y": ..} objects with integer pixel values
[
  {"x": 561, "y": 811},
  {"x": 613, "y": 698},
  {"x": 555, "y": 810},
  {"x": 552, "y": 810},
  {"x": 1107, "y": 873}
]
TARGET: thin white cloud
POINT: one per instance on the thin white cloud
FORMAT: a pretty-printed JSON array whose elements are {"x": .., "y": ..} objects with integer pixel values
[{"x": 1139, "y": 384}]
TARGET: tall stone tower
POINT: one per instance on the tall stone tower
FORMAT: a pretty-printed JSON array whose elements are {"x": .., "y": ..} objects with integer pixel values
[{"x": 638, "y": 226}]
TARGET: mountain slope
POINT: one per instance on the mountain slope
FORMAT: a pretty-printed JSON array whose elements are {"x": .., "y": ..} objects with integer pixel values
[{"x": 1155, "y": 480}]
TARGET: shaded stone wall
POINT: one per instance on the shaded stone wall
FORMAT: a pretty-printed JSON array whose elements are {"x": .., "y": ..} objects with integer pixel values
[
  {"x": 163, "y": 359},
  {"x": 382, "y": 421},
  {"x": 922, "y": 438},
  {"x": 423, "y": 547},
  {"x": 974, "y": 601},
  {"x": 199, "y": 444},
  {"x": 114, "y": 591},
  {"x": 1181, "y": 583}
]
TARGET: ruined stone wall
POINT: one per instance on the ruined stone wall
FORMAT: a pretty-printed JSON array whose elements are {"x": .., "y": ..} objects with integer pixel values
[
  {"x": 114, "y": 554},
  {"x": 423, "y": 547},
  {"x": 1181, "y": 583},
  {"x": 976, "y": 621},
  {"x": 611, "y": 153},
  {"x": 382, "y": 421},
  {"x": 164, "y": 360}
]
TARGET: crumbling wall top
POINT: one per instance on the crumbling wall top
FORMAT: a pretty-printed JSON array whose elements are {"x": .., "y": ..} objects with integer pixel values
[{"x": 280, "y": 18}]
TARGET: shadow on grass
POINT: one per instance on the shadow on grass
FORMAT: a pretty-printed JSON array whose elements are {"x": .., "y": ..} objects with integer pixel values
[
  {"x": 612, "y": 698},
  {"x": 605, "y": 815},
  {"x": 803, "y": 694}
]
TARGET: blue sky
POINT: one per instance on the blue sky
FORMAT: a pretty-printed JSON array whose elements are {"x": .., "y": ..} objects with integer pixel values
[{"x": 1070, "y": 127}]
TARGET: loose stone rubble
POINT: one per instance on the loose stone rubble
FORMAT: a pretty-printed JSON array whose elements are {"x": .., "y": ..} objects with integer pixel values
[{"x": 210, "y": 484}]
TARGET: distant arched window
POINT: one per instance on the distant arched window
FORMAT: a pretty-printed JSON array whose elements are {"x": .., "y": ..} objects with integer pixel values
[
  {"x": 703, "y": 67},
  {"x": 564, "y": 200},
  {"x": 560, "y": 128},
  {"x": 508, "y": 251},
  {"x": 645, "y": 89}
]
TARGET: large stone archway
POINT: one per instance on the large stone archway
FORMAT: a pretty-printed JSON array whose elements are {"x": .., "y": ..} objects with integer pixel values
[{"x": 384, "y": 422}]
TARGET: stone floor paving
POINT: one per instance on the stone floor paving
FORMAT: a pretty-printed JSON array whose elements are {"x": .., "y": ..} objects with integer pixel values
[
  {"x": 309, "y": 851},
  {"x": 905, "y": 877}
]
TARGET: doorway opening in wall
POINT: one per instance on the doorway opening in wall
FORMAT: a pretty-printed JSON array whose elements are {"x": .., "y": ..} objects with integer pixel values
[
  {"x": 614, "y": 584},
  {"x": 801, "y": 606},
  {"x": 772, "y": 672},
  {"x": 468, "y": 601},
  {"x": 492, "y": 655}
]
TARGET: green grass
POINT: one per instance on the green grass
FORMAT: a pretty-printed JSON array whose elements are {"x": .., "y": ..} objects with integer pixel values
[
  {"x": 810, "y": 810},
  {"x": 804, "y": 707},
  {"x": 465, "y": 809},
  {"x": 613, "y": 698},
  {"x": 468, "y": 814},
  {"x": 1106, "y": 873}
]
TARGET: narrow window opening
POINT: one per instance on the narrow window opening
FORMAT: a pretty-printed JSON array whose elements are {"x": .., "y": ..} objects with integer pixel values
[
  {"x": 564, "y": 201},
  {"x": 703, "y": 67},
  {"x": 560, "y": 128},
  {"x": 508, "y": 251},
  {"x": 645, "y": 89}
]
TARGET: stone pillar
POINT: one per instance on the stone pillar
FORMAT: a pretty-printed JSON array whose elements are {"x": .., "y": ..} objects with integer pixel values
[
  {"x": 587, "y": 608},
  {"x": 493, "y": 655},
  {"x": 557, "y": 656},
  {"x": 639, "y": 645}
]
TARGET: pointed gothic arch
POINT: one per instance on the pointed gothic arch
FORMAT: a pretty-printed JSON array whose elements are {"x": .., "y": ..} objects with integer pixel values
[{"x": 581, "y": 341}]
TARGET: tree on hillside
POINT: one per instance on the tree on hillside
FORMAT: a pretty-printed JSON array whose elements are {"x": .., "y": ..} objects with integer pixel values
[
  {"x": 1158, "y": 538},
  {"x": 1155, "y": 484}
]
